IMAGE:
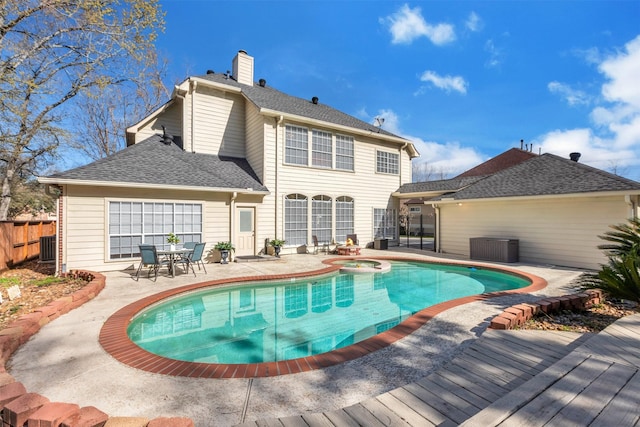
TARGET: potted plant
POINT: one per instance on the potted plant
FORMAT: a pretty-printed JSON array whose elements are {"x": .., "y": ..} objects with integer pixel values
[
  {"x": 224, "y": 248},
  {"x": 277, "y": 245},
  {"x": 173, "y": 240}
]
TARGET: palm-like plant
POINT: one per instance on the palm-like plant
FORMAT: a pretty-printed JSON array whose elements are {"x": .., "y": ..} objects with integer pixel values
[{"x": 620, "y": 278}]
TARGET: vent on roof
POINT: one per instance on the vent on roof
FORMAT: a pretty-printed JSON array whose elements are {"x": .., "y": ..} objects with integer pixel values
[
  {"x": 262, "y": 82},
  {"x": 315, "y": 100},
  {"x": 210, "y": 72},
  {"x": 166, "y": 138},
  {"x": 574, "y": 156}
]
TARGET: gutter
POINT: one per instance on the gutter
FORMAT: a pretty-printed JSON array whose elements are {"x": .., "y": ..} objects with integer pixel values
[
  {"x": 539, "y": 197},
  {"x": 45, "y": 180}
]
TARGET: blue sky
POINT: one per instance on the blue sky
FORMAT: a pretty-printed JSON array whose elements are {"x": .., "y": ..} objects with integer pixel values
[{"x": 464, "y": 80}]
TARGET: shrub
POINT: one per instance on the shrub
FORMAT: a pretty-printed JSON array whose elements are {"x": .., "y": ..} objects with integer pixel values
[{"x": 620, "y": 278}]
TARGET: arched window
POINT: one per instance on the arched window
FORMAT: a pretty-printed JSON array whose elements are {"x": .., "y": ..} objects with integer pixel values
[
  {"x": 295, "y": 219},
  {"x": 344, "y": 218},
  {"x": 321, "y": 212}
]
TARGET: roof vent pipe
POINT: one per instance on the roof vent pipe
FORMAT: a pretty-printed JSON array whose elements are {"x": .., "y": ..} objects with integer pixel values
[
  {"x": 210, "y": 72},
  {"x": 574, "y": 156},
  {"x": 314, "y": 100},
  {"x": 166, "y": 138},
  {"x": 262, "y": 82}
]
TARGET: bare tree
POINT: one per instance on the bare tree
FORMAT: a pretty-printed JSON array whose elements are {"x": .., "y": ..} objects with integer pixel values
[
  {"x": 422, "y": 172},
  {"x": 50, "y": 52},
  {"x": 102, "y": 115}
]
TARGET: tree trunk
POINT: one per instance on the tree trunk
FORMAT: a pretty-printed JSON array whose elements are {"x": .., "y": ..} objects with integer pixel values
[{"x": 5, "y": 200}]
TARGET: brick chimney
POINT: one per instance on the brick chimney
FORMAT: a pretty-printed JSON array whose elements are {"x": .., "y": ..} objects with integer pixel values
[{"x": 243, "y": 68}]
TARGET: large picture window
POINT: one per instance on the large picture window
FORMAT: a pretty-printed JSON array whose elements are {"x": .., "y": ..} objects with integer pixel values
[
  {"x": 134, "y": 223},
  {"x": 384, "y": 223},
  {"x": 328, "y": 151},
  {"x": 295, "y": 219},
  {"x": 387, "y": 162}
]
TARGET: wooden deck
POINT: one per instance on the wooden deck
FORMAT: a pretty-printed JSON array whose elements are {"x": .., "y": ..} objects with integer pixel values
[{"x": 512, "y": 378}]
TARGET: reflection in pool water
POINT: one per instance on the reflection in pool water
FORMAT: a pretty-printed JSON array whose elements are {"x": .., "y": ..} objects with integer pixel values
[{"x": 262, "y": 322}]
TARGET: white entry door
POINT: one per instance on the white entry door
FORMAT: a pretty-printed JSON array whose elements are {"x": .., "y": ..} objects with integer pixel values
[{"x": 245, "y": 233}]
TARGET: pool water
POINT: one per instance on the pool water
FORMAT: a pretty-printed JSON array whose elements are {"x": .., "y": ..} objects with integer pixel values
[{"x": 265, "y": 322}]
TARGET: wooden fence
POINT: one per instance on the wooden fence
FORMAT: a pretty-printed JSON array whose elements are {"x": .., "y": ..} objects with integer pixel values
[{"x": 20, "y": 240}]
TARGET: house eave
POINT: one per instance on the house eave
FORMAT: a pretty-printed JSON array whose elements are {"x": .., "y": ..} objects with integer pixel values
[
  {"x": 621, "y": 193},
  {"x": 119, "y": 184}
]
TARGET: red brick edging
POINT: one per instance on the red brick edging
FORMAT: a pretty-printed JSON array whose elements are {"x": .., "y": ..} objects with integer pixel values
[
  {"x": 519, "y": 314},
  {"x": 114, "y": 338},
  {"x": 19, "y": 408}
]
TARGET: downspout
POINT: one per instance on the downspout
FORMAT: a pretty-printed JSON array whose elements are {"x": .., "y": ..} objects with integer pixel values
[
  {"x": 436, "y": 240},
  {"x": 277, "y": 194},
  {"x": 232, "y": 216},
  {"x": 194, "y": 84},
  {"x": 401, "y": 150}
]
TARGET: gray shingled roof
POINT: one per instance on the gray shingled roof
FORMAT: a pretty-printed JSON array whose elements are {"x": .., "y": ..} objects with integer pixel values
[
  {"x": 272, "y": 99},
  {"x": 546, "y": 174},
  {"x": 153, "y": 162},
  {"x": 444, "y": 185}
]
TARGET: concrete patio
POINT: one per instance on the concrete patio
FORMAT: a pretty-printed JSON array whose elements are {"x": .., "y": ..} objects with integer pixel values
[{"x": 65, "y": 362}]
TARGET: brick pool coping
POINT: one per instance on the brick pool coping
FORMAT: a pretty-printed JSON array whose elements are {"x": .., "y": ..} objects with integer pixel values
[{"x": 115, "y": 341}]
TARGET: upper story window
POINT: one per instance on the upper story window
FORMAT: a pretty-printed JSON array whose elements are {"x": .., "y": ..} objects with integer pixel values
[
  {"x": 318, "y": 148},
  {"x": 344, "y": 152},
  {"x": 322, "y": 149},
  {"x": 296, "y": 145},
  {"x": 387, "y": 162}
]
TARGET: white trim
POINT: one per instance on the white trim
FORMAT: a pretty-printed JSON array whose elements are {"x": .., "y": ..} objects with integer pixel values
[
  {"x": 542, "y": 196},
  {"x": 46, "y": 180}
]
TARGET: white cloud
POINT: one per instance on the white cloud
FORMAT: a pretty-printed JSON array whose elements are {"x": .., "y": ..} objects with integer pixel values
[
  {"x": 474, "y": 22},
  {"x": 446, "y": 83},
  {"x": 614, "y": 140},
  {"x": 572, "y": 96},
  {"x": 407, "y": 24},
  {"x": 495, "y": 54}
]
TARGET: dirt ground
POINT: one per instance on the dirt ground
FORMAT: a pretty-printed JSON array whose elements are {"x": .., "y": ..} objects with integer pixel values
[{"x": 38, "y": 286}]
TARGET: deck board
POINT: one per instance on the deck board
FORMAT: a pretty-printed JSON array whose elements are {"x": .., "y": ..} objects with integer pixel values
[{"x": 524, "y": 378}]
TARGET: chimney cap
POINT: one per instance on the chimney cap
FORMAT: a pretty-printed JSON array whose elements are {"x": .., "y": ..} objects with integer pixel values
[{"x": 243, "y": 51}]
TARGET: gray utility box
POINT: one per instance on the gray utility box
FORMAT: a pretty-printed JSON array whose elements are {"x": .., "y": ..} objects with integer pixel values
[
  {"x": 493, "y": 249},
  {"x": 381, "y": 244}
]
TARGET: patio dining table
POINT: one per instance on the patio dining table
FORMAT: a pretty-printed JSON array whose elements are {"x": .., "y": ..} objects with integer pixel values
[{"x": 174, "y": 255}]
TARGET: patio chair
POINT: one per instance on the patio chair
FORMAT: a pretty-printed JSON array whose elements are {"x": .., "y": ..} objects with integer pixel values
[
  {"x": 194, "y": 257},
  {"x": 315, "y": 244},
  {"x": 189, "y": 245},
  {"x": 149, "y": 258}
]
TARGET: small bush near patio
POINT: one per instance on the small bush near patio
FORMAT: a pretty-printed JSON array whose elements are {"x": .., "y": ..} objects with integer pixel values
[{"x": 620, "y": 278}]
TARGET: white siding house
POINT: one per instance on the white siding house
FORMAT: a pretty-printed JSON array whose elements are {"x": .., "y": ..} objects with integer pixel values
[
  {"x": 227, "y": 159},
  {"x": 554, "y": 208}
]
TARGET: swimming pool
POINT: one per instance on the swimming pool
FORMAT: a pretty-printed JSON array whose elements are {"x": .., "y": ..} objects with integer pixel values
[{"x": 302, "y": 317}]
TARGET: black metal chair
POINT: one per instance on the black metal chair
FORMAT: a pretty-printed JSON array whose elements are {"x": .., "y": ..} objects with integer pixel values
[
  {"x": 194, "y": 257},
  {"x": 149, "y": 258}
]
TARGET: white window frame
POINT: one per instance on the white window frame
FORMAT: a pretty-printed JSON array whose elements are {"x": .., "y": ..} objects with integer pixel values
[
  {"x": 296, "y": 222},
  {"x": 296, "y": 145},
  {"x": 322, "y": 218},
  {"x": 345, "y": 152},
  {"x": 321, "y": 149},
  {"x": 155, "y": 221},
  {"x": 387, "y": 162},
  {"x": 345, "y": 217}
]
